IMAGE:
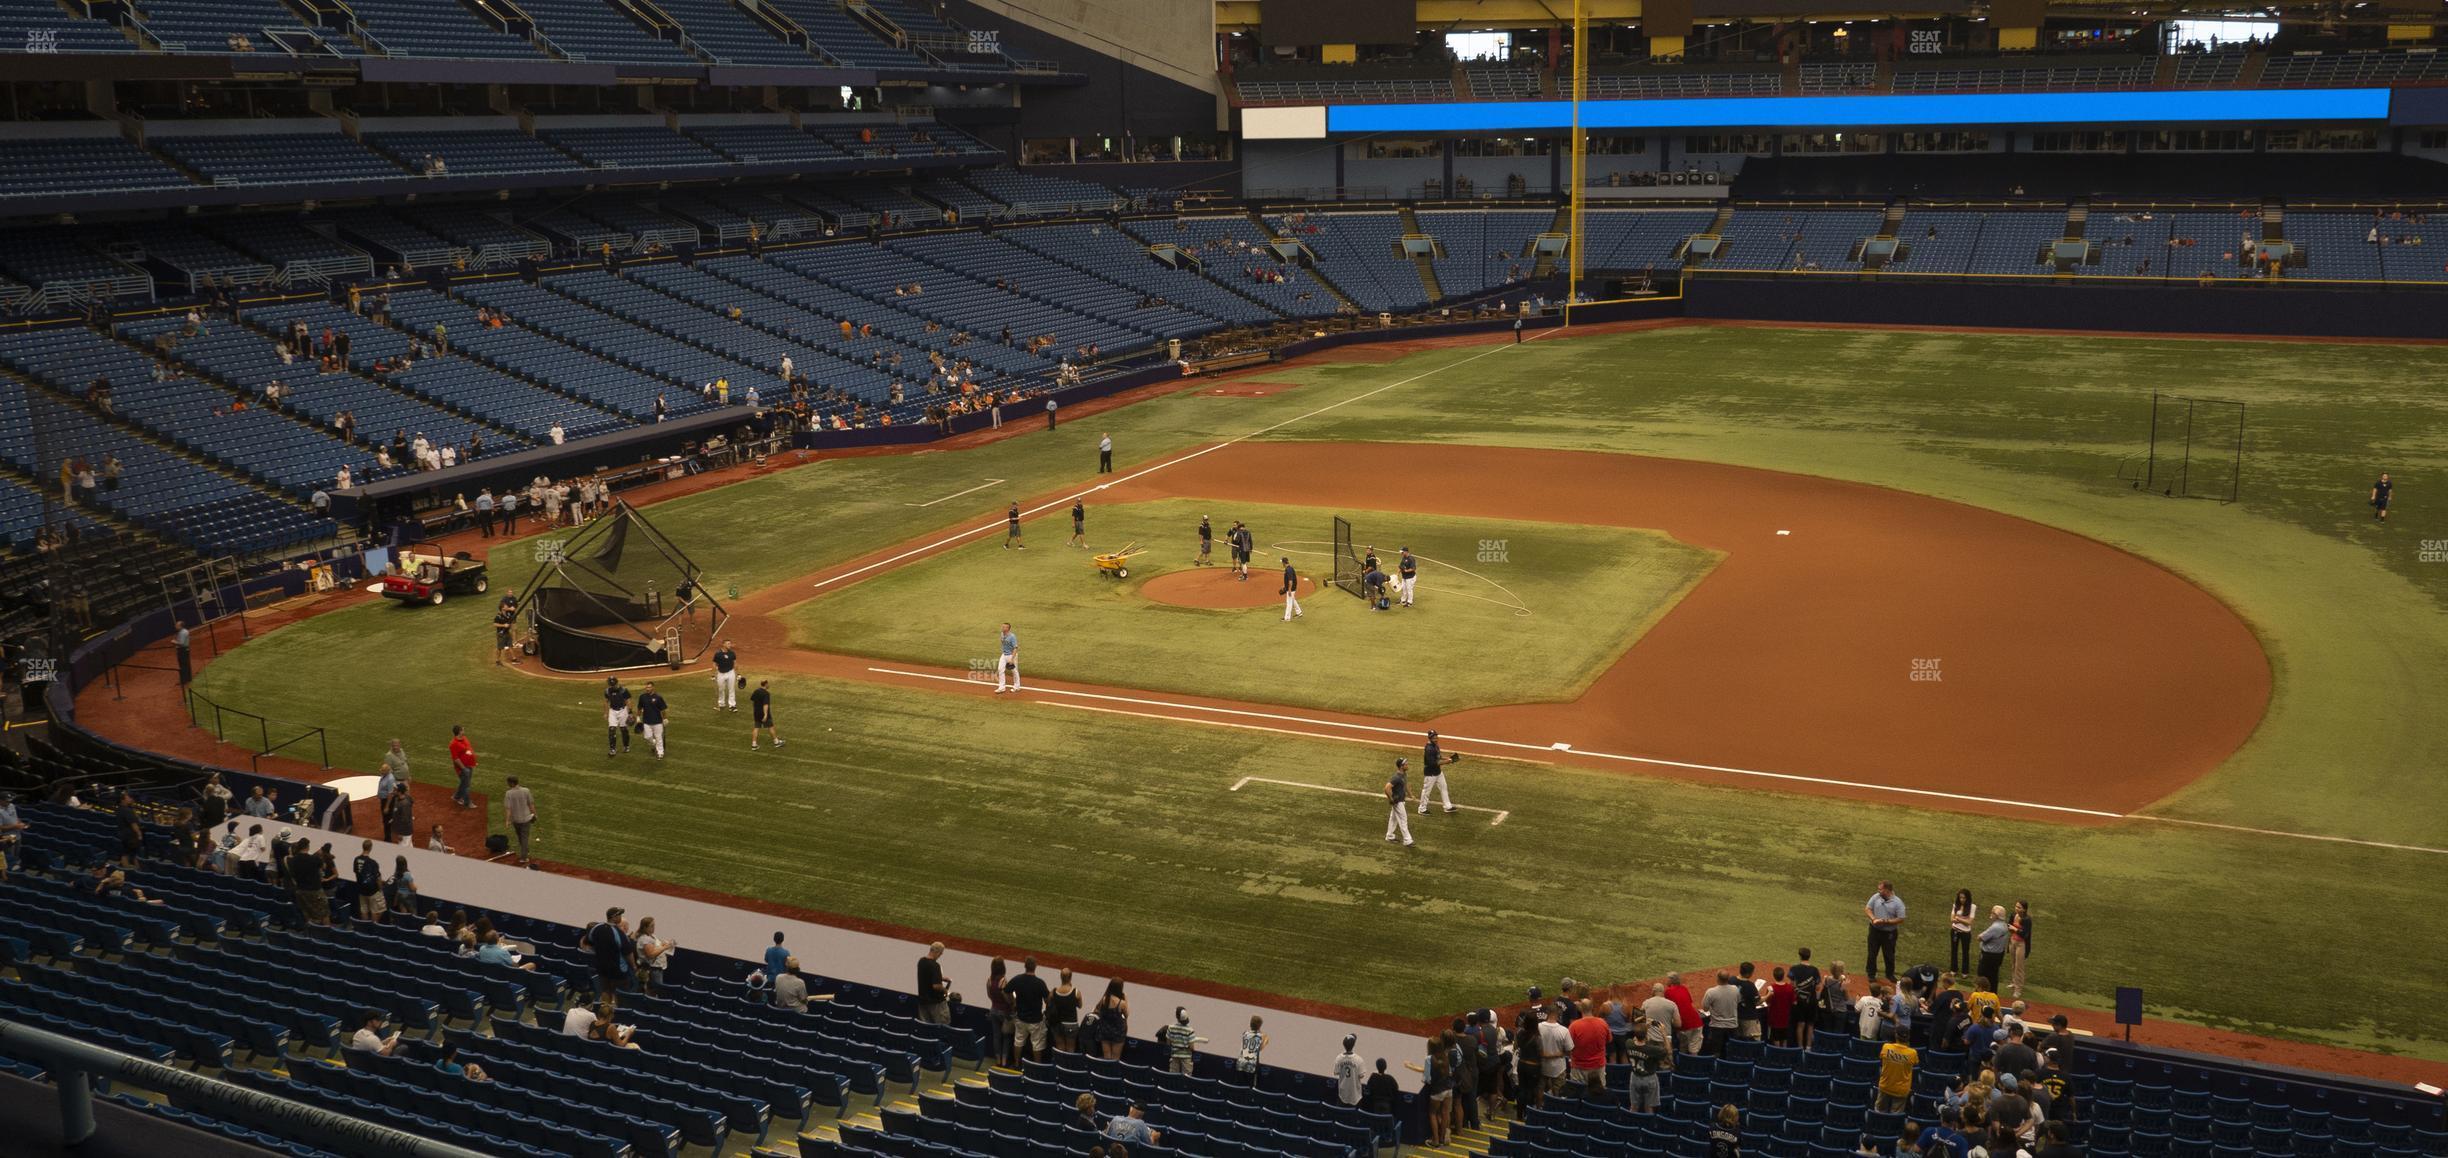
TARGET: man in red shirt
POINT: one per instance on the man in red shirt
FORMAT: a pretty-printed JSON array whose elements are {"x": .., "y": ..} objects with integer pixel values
[
  {"x": 1687, "y": 1015},
  {"x": 1590, "y": 1036},
  {"x": 463, "y": 761}
]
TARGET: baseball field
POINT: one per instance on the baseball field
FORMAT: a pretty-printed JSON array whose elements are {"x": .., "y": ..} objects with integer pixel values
[{"x": 1731, "y": 622}]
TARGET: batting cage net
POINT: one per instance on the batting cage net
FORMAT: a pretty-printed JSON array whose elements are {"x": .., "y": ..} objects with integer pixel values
[
  {"x": 1346, "y": 560},
  {"x": 619, "y": 595}
]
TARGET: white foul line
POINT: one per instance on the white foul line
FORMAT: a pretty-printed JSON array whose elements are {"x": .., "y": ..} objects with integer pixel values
[
  {"x": 1501, "y": 813},
  {"x": 956, "y": 494},
  {"x": 1560, "y": 746},
  {"x": 989, "y": 528}
]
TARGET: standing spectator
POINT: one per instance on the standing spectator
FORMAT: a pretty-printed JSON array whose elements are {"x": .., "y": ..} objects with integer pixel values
[
  {"x": 130, "y": 829},
  {"x": 1993, "y": 948},
  {"x": 518, "y": 805},
  {"x": 1028, "y": 998},
  {"x": 1063, "y": 1012},
  {"x": 1690, "y": 1029},
  {"x": 1750, "y": 1004},
  {"x": 402, "y": 815},
  {"x": 654, "y": 952},
  {"x": 1619, "y": 1030},
  {"x": 1722, "y": 1006},
  {"x": 2018, "y": 934},
  {"x": 1647, "y": 1058},
  {"x": 1348, "y": 1074},
  {"x": 1868, "y": 1013},
  {"x": 404, "y": 897},
  {"x": 1555, "y": 1050},
  {"x": 186, "y": 664},
  {"x": 1113, "y": 1020},
  {"x": 1180, "y": 1042},
  {"x": 1885, "y": 911},
  {"x": 1382, "y": 1093},
  {"x": 463, "y": 762},
  {"x": 255, "y": 855},
  {"x": 1959, "y": 932},
  {"x": 1659, "y": 1014},
  {"x": 367, "y": 872},
  {"x": 775, "y": 954},
  {"x": 1436, "y": 1085},
  {"x": 306, "y": 883},
  {"x": 609, "y": 941},
  {"x": 1836, "y": 1000},
  {"x": 1253, "y": 1048},
  {"x": 2016, "y": 1056},
  {"x": 934, "y": 993},
  {"x": 998, "y": 1008},
  {"x": 1895, "y": 1076},
  {"x": 1588, "y": 1061},
  {"x": 1780, "y": 1008},
  {"x": 789, "y": 988}
]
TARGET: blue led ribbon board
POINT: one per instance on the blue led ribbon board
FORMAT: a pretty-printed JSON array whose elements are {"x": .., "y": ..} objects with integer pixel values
[{"x": 1971, "y": 110}]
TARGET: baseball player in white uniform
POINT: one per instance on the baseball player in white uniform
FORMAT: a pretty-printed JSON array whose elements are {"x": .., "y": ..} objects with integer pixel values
[
  {"x": 1433, "y": 761},
  {"x": 1291, "y": 590},
  {"x": 1406, "y": 577},
  {"x": 726, "y": 679},
  {"x": 1398, "y": 821}
]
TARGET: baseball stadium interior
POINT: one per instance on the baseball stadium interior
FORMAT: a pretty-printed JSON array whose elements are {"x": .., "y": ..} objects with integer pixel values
[{"x": 284, "y": 282}]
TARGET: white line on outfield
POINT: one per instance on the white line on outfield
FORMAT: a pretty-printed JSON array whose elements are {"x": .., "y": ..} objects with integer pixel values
[
  {"x": 992, "y": 482},
  {"x": 1143, "y": 472},
  {"x": 1561, "y": 746},
  {"x": 1313, "y": 721},
  {"x": 1501, "y": 813},
  {"x": 2296, "y": 835}
]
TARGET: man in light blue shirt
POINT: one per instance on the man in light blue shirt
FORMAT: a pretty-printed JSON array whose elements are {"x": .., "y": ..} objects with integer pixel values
[
  {"x": 1885, "y": 911},
  {"x": 1009, "y": 662}
]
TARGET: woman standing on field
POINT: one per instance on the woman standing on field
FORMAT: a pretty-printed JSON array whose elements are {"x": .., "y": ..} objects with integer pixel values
[
  {"x": 2019, "y": 944},
  {"x": 1959, "y": 934}
]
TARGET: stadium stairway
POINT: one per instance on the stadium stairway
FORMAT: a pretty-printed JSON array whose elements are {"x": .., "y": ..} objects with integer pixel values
[
  {"x": 1425, "y": 264},
  {"x": 1334, "y": 291}
]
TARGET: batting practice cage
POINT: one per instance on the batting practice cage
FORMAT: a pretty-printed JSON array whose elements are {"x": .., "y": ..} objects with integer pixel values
[
  {"x": 619, "y": 595},
  {"x": 1346, "y": 560}
]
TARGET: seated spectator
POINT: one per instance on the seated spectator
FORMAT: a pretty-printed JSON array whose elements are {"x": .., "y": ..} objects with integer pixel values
[
  {"x": 370, "y": 1039},
  {"x": 449, "y": 1063},
  {"x": 1132, "y": 1127},
  {"x": 789, "y": 988},
  {"x": 494, "y": 952}
]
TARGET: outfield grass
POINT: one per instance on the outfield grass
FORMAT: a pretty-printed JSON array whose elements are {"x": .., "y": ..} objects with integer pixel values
[
  {"x": 1104, "y": 836},
  {"x": 1572, "y": 599}
]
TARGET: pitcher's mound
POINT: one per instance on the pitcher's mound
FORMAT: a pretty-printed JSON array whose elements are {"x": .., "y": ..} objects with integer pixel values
[{"x": 1215, "y": 588}]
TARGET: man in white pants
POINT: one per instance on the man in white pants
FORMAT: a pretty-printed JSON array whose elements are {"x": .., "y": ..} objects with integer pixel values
[
  {"x": 1406, "y": 575},
  {"x": 1397, "y": 790},
  {"x": 1291, "y": 591},
  {"x": 1009, "y": 663},
  {"x": 650, "y": 709},
  {"x": 726, "y": 679},
  {"x": 1432, "y": 775}
]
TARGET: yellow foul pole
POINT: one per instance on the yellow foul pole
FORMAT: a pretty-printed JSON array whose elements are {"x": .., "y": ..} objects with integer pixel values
[{"x": 1580, "y": 149}]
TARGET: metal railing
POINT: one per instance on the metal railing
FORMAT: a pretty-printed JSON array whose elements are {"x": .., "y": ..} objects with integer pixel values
[
  {"x": 228, "y": 722},
  {"x": 75, "y": 1064}
]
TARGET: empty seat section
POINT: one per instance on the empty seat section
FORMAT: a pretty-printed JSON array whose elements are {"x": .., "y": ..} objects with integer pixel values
[
  {"x": 595, "y": 30},
  {"x": 39, "y": 166},
  {"x": 471, "y": 153},
  {"x": 434, "y": 29},
  {"x": 276, "y": 158}
]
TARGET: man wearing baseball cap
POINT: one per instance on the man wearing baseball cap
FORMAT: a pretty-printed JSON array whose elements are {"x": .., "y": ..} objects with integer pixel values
[
  {"x": 1432, "y": 774},
  {"x": 1397, "y": 789}
]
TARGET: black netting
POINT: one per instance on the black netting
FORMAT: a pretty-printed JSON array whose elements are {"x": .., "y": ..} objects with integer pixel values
[{"x": 618, "y": 595}]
